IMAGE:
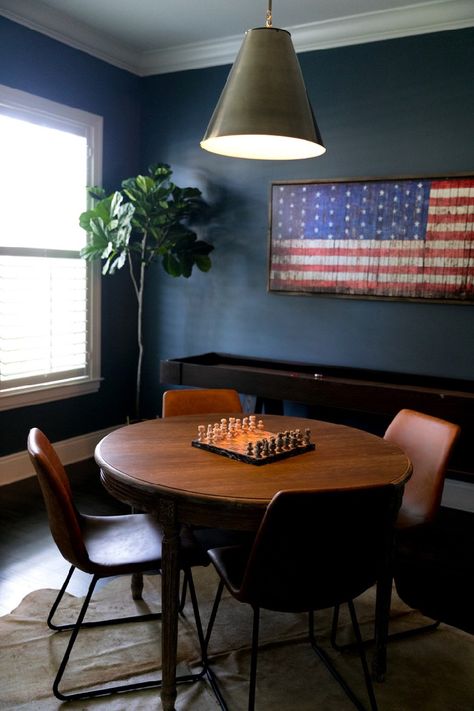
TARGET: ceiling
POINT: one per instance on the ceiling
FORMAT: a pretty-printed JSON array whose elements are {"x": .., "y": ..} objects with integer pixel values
[{"x": 154, "y": 36}]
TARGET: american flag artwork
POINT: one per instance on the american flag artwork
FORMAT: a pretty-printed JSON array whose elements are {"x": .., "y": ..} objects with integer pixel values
[{"x": 398, "y": 238}]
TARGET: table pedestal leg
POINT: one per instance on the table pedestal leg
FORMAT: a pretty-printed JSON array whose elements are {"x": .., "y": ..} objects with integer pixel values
[
  {"x": 169, "y": 601},
  {"x": 382, "y": 613}
]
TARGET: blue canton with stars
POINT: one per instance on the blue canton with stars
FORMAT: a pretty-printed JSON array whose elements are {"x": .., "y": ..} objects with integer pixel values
[{"x": 383, "y": 211}]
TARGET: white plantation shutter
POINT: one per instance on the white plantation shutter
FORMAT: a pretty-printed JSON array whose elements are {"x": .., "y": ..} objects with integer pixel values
[
  {"x": 43, "y": 319},
  {"x": 49, "y": 305}
]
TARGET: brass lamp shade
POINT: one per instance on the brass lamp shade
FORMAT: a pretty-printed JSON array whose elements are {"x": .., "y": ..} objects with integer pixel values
[{"x": 264, "y": 110}]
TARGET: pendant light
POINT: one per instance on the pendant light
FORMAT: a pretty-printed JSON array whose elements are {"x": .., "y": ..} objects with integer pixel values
[{"x": 264, "y": 111}]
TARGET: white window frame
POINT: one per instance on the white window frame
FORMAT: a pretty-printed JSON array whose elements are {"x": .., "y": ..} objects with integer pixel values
[{"x": 36, "y": 109}]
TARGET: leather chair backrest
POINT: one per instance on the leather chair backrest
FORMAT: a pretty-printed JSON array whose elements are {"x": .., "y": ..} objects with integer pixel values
[
  {"x": 201, "y": 401},
  {"x": 315, "y": 549},
  {"x": 428, "y": 442},
  {"x": 64, "y": 519}
]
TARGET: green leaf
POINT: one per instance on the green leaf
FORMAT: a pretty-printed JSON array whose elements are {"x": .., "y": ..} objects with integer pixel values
[
  {"x": 171, "y": 265},
  {"x": 203, "y": 262}
]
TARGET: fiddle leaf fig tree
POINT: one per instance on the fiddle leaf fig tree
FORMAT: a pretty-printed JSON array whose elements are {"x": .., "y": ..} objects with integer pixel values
[{"x": 147, "y": 220}]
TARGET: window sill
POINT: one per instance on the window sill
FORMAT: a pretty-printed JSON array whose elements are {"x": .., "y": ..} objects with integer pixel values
[{"x": 47, "y": 393}]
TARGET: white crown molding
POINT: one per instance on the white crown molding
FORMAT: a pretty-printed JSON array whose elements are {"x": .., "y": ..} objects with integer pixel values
[
  {"x": 416, "y": 19},
  {"x": 61, "y": 27},
  {"x": 15, "y": 467},
  {"x": 422, "y": 18}
]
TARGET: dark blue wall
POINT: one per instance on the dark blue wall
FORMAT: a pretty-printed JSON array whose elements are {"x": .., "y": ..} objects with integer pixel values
[
  {"x": 393, "y": 108},
  {"x": 401, "y": 107},
  {"x": 32, "y": 62}
]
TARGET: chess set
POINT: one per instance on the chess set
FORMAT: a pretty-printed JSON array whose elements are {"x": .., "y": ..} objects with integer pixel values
[{"x": 246, "y": 440}]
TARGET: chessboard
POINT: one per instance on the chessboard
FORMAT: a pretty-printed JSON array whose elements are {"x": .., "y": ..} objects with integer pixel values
[{"x": 246, "y": 440}]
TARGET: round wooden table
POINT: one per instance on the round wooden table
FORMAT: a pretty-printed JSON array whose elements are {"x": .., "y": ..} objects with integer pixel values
[{"x": 153, "y": 467}]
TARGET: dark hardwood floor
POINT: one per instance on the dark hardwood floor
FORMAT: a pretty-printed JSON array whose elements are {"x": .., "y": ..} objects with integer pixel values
[{"x": 29, "y": 558}]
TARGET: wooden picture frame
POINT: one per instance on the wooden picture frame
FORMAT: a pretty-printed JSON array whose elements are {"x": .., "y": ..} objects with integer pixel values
[{"x": 395, "y": 238}]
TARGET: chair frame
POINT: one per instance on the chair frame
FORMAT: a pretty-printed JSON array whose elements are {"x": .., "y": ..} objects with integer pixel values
[
  {"x": 68, "y": 525},
  {"x": 429, "y": 508},
  {"x": 242, "y": 593},
  {"x": 79, "y": 625}
]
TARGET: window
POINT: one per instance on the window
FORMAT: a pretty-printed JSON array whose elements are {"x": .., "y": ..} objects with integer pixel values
[{"x": 49, "y": 296}]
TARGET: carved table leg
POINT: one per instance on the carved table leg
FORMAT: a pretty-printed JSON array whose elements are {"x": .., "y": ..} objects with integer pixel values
[
  {"x": 137, "y": 586},
  {"x": 169, "y": 601},
  {"x": 137, "y": 578}
]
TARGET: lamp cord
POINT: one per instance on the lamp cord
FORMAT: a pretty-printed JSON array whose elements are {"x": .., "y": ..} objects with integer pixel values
[{"x": 268, "y": 22}]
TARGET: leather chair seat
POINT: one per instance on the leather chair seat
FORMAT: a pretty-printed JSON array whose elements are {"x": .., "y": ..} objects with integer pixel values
[{"x": 118, "y": 545}]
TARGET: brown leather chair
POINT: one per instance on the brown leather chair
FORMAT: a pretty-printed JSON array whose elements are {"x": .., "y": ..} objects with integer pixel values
[
  {"x": 428, "y": 442},
  {"x": 313, "y": 550},
  {"x": 102, "y": 546},
  {"x": 201, "y": 401}
]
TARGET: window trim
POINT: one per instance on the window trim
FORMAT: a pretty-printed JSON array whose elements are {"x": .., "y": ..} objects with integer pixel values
[{"x": 50, "y": 113}]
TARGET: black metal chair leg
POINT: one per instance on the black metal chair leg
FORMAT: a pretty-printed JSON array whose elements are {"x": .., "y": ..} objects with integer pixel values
[
  {"x": 209, "y": 672},
  {"x": 80, "y": 624},
  {"x": 330, "y": 666},
  {"x": 430, "y": 627},
  {"x": 212, "y": 618},
  {"x": 363, "y": 658},
  {"x": 253, "y": 660},
  {"x": 335, "y": 622},
  {"x": 55, "y": 605},
  {"x": 95, "y": 623},
  {"x": 182, "y": 601}
]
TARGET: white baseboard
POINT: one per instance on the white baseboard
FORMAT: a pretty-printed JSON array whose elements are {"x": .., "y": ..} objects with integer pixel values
[{"x": 15, "y": 467}]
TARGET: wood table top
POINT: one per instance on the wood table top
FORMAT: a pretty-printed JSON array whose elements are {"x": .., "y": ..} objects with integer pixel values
[{"x": 155, "y": 457}]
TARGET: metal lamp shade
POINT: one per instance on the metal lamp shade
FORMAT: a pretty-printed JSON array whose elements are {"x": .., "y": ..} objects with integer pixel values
[{"x": 264, "y": 110}]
